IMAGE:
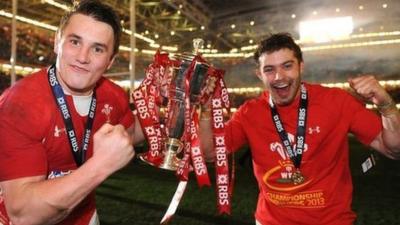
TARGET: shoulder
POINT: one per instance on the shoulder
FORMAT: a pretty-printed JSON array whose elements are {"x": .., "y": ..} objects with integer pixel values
[
  {"x": 28, "y": 103},
  {"x": 253, "y": 106},
  {"x": 326, "y": 94},
  {"x": 334, "y": 99},
  {"x": 32, "y": 90},
  {"x": 34, "y": 82},
  {"x": 109, "y": 91},
  {"x": 109, "y": 87}
]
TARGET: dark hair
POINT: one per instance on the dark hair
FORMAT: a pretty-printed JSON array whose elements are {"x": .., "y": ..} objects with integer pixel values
[
  {"x": 277, "y": 42},
  {"x": 99, "y": 12}
]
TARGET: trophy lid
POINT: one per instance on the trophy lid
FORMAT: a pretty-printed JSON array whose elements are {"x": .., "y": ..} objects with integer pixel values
[{"x": 198, "y": 44}]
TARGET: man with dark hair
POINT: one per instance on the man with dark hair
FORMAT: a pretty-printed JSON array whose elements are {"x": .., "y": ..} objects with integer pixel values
[
  {"x": 63, "y": 129},
  {"x": 298, "y": 136}
]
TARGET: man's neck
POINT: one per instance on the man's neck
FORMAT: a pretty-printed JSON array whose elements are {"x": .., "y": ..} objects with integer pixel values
[{"x": 71, "y": 91}]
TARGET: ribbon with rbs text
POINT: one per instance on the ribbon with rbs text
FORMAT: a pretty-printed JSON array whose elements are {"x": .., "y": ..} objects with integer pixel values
[{"x": 148, "y": 100}]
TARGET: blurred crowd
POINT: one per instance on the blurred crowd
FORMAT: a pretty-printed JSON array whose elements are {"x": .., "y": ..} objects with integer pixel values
[{"x": 35, "y": 48}]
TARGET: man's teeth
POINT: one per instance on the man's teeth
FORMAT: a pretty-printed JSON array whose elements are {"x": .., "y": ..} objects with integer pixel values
[{"x": 281, "y": 86}]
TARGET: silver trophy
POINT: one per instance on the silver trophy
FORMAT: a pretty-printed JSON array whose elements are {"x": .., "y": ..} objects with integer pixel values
[{"x": 176, "y": 106}]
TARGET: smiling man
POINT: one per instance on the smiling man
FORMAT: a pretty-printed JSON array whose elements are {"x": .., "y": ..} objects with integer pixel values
[
  {"x": 63, "y": 129},
  {"x": 298, "y": 137}
]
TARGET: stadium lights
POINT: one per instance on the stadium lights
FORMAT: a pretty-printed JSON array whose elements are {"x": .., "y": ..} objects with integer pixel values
[
  {"x": 202, "y": 50},
  {"x": 227, "y": 55},
  {"x": 165, "y": 48},
  {"x": 326, "y": 30},
  {"x": 57, "y": 4},
  {"x": 127, "y": 49},
  {"x": 375, "y": 34},
  {"x": 18, "y": 69},
  {"x": 54, "y": 28},
  {"x": 234, "y": 54},
  {"x": 67, "y": 8},
  {"x": 350, "y": 45},
  {"x": 353, "y": 36},
  {"x": 149, "y": 52},
  {"x": 29, "y": 21}
]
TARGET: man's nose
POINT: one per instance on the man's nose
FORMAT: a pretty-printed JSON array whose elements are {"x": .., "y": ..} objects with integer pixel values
[
  {"x": 83, "y": 55},
  {"x": 278, "y": 74}
]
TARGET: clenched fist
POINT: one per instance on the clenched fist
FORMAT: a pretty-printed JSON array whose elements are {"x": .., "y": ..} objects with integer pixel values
[
  {"x": 369, "y": 88},
  {"x": 112, "y": 148}
]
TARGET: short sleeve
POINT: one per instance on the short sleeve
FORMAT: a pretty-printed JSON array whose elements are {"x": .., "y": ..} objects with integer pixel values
[
  {"x": 364, "y": 124},
  {"x": 22, "y": 153},
  {"x": 127, "y": 118}
]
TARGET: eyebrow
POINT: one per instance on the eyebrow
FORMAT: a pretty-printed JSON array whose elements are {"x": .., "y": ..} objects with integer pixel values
[
  {"x": 98, "y": 44},
  {"x": 288, "y": 61}
]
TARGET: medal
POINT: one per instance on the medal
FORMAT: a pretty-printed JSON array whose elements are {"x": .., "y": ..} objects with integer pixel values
[
  {"x": 297, "y": 177},
  {"x": 294, "y": 153}
]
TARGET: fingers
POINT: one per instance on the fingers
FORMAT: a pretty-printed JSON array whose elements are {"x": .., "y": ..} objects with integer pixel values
[
  {"x": 369, "y": 88},
  {"x": 210, "y": 85},
  {"x": 112, "y": 147},
  {"x": 106, "y": 128},
  {"x": 365, "y": 86},
  {"x": 117, "y": 132}
]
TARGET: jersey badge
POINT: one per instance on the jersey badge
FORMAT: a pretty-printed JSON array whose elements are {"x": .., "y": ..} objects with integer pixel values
[{"x": 107, "y": 111}]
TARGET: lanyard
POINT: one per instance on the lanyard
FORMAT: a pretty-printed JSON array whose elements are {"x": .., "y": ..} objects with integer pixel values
[
  {"x": 78, "y": 153},
  {"x": 294, "y": 154}
]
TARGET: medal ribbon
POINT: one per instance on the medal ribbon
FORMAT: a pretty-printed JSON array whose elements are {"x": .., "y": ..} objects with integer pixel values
[
  {"x": 294, "y": 154},
  {"x": 58, "y": 93}
]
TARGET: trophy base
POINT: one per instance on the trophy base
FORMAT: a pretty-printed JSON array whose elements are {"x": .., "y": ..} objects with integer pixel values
[
  {"x": 142, "y": 157},
  {"x": 171, "y": 161}
]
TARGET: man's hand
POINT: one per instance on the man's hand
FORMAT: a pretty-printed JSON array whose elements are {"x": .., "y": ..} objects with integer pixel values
[
  {"x": 113, "y": 147},
  {"x": 387, "y": 142},
  {"x": 370, "y": 89}
]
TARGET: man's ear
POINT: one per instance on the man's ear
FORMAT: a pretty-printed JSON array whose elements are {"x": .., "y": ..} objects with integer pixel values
[
  {"x": 111, "y": 62},
  {"x": 258, "y": 73},
  {"x": 56, "y": 41},
  {"x": 301, "y": 67}
]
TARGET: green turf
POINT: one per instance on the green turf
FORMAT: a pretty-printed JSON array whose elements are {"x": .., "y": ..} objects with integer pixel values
[{"x": 139, "y": 194}]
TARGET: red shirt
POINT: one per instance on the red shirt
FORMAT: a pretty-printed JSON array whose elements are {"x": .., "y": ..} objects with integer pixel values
[
  {"x": 326, "y": 195},
  {"x": 33, "y": 140}
]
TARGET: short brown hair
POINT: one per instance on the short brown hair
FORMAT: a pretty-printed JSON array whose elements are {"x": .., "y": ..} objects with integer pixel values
[{"x": 277, "y": 42}]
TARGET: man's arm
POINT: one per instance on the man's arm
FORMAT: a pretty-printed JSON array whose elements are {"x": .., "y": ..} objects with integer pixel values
[
  {"x": 35, "y": 200},
  {"x": 388, "y": 141},
  {"x": 135, "y": 131},
  {"x": 206, "y": 135}
]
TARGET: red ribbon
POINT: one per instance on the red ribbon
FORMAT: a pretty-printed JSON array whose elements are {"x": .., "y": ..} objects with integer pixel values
[
  {"x": 192, "y": 151},
  {"x": 147, "y": 98}
]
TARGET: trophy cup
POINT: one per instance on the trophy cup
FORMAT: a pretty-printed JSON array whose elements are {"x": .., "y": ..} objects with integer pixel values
[{"x": 175, "y": 125}]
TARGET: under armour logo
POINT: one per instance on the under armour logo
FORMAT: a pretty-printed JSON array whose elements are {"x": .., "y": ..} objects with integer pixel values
[
  {"x": 107, "y": 111},
  {"x": 312, "y": 130},
  {"x": 58, "y": 131}
]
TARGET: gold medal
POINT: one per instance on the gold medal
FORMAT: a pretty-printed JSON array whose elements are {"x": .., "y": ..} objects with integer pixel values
[{"x": 297, "y": 177}]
